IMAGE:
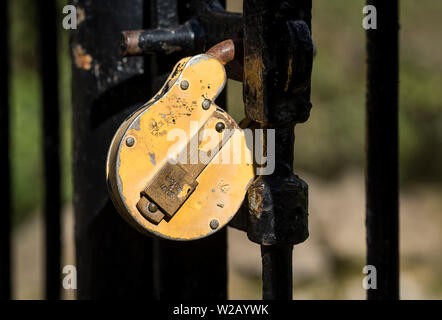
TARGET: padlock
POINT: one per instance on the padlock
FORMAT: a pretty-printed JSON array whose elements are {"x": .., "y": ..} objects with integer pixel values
[{"x": 179, "y": 167}]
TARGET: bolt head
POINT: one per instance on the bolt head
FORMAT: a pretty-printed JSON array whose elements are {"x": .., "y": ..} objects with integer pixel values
[
  {"x": 220, "y": 126},
  {"x": 206, "y": 104},
  {"x": 152, "y": 207},
  {"x": 214, "y": 224},
  {"x": 184, "y": 84},
  {"x": 130, "y": 141}
]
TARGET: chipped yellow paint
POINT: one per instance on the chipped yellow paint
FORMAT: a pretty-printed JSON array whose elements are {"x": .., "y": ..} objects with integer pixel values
[
  {"x": 222, "y": 184},
  {"x": 184, "y": 191}
]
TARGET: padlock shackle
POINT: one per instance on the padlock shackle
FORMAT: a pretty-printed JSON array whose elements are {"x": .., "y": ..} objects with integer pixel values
[{"x": 223, "y": 51}]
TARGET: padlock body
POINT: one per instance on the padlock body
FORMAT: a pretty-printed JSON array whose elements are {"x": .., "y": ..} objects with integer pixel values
[{"x": 179, "y": 167}]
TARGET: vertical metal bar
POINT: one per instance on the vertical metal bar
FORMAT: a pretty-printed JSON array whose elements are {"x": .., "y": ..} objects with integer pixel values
[
  {"x": 196, "y": 269},
  {"x": 50, "y": 102},
  {"x": 5, "y": 225},
  {"x": 113, "y": 260},
  {"x": 277, "y": 272},
  {"x": 382, "y": 214},
  {"x": 277, "y": 67},
  {"x": 277, "y": 275}
]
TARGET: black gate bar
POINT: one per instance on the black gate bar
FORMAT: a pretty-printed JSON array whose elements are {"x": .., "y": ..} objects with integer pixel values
[
  {"x": 5, "y": 175},
  {"x": 382, "y": 214},
  {"x": 114, "y": 261},
  {"x": 278, "y": 54},
  {"x": 47, "y": 13}
]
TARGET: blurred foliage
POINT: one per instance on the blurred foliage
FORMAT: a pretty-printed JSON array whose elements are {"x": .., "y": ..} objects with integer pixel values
[
  {"x": 26, "y": 155},
  {"x": 333, "y": 138},
  {"x": 329, "y": 143},
  {"x": 26, "y": 120}
]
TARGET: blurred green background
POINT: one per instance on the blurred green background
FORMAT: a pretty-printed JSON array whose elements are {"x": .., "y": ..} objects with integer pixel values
[
  {"x": 26, "y": 120},
  {"x": 328, "y": 146}
]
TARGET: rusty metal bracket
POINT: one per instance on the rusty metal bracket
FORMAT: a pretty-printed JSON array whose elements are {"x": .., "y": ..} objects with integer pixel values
[{"x": 209, "y": 24}]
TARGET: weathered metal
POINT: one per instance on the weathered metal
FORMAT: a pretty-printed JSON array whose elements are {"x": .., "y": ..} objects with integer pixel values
[
  {"x": 278, "y": 210},
  {"x": 183, "y": 38},
  {"x": 277, "y": 79},
  {"x": 382, "y": 212},
  {"x": 223, "y": 51},
  {"x": 189, "y": 193},
  {"x": 48, "y": 30},
  {"x": 111, "y": 256},
  {"x": 277, "y": 96},
  {"x": 5, "y": 174},
  {"x": 209, "y": 24}
]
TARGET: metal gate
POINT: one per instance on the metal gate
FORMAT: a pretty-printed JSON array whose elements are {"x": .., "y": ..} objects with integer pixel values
[{"x": 275, "y": 70}]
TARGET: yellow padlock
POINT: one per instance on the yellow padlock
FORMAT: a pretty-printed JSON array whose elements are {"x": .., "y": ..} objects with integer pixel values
[{"x": 179, "y": 167}]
